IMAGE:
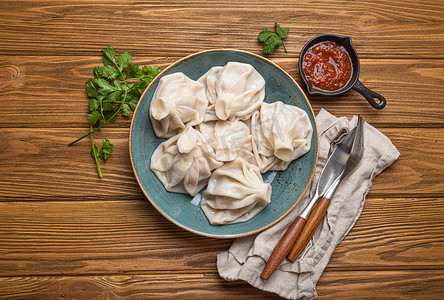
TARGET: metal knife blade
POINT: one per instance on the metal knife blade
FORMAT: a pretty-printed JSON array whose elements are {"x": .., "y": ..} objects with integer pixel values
[
  {"x": 333, "y": 169},
  {"x": 336, "y": 163},
  {"x": 353, "y": 159}
]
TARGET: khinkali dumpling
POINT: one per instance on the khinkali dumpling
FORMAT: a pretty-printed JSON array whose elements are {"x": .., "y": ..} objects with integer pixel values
[
  {"x": 207, "y": 130},
  {"x": 178, "y": 101},
  {"x": 229, "y": 139},
  {"x": 209, "y": 80},
  {"x": 235, "y": 193},
  {"x": 234, "y": 91},
  {"x": 184, "y": 163},
  {"x": 281, "y": 133}
]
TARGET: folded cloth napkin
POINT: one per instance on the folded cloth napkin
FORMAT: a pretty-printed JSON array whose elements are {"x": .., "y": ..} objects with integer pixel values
[{"x": 247, "y": 256}]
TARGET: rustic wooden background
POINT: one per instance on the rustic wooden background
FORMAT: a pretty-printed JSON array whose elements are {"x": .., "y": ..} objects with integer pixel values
[{"x": 66, "y": 234}]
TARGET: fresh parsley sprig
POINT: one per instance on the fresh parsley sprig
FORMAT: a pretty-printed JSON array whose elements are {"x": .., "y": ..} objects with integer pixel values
[
  {"x": 273, "y": 40},
  {"x": 116, "y": 86}
]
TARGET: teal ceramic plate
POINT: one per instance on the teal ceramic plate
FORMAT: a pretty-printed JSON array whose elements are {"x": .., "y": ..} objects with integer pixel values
[{"x": 288, "y": 186}]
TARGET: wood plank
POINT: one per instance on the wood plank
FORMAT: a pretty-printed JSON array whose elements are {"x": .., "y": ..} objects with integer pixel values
[
  {"x": 400, "y": 285},
  {"x": 156, "y": 286},
  {"x": 404, "y": 232},
  {"x": 379, "y": 28},
  {"x": 36, "y": 164},
  {"x": 332, "y": 285},
  {"x": 114, "y": 237},
  {"x": 50, "y": 91}
]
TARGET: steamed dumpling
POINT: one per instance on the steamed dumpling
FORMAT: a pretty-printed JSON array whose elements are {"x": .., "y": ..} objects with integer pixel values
[
  {"x": 234, "y": 91},
  {"x": 281, "y": 133},
  {"x": 209, "y": 80},
  {"x": 184, "y": 163},
  {"x": 235, "y": 193},
  {"x": 233, "y": 139},
  {"x": 229, "y": 139},
  {"x": 207, "y": 130},
  {"x": 178, "y": 101}
]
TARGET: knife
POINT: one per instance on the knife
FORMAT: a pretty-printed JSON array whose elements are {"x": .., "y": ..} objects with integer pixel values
[
  {"x": 321, "y": 207},
  {"x": 332, "y": 172}
]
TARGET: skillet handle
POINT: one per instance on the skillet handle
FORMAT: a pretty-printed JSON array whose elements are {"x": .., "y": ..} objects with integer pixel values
[
  {"x": 369, "y": 95},
  {"x": 312, "y": 224}
]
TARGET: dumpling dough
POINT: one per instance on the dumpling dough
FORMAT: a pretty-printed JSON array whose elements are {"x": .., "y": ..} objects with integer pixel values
[
  {"x": 207, "y": 130},
  {"x": 281, "y": 133},
  {"x": 229, "y": 139},
  {"x": 209, "y": 80},
  {"x": 183, "y": 163},
  {"x": 234, "y": 91},
  {"x": 235, "y": 193},
  {"x": 178, "y": 101}
]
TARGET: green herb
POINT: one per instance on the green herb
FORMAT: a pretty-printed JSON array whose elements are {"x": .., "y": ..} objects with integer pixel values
[
  {"x": 116, "y": 86},
  {"x": 273, "y": 40},
  {"x": 104, "y": 152}
]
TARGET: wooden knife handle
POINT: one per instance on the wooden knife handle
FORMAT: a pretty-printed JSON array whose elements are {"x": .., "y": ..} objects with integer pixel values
[
  {"x": 283, "y": 247},
  {"x": 312, "y": 223}
]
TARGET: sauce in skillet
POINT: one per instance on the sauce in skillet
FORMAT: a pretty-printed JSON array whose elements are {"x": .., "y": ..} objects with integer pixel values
[{"x": 327, "y": 66}]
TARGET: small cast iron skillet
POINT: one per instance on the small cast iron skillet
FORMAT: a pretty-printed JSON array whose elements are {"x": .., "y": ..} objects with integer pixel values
[{"x": 353, "y": 83}]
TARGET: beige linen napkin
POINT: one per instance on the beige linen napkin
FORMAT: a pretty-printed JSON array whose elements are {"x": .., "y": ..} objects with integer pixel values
[{"x": 247, "y": 256}]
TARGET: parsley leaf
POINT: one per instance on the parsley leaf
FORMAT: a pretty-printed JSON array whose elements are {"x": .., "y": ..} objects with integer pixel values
[
  {"x": 106, "y": 150},
  {"x": 135, "y": 70},
  {"x": 116, "y": 87},
  {"x": 133, "y": 103},
  {"x": 124, "y": 60},
  {"x": 108, "y": 106},
  {"x": 114, "y": 96},
  {"x": 109, "y": 72},
  {"x": 92, "y": 88},
  {"x": 94, "y": 117},
  {"x": 109, "y": 56},
  {"x": 265, "y": 34},
  {"x": 104, "y": 86},
  {"x": 149, "y": 72},
  {"x": 97, "y": 72},
  {"x": 272, "y": 43},
  {"x": 272, "y": 40},
  {"x": 126, "y": 111},
  {"x": 109, "y": 116},
  {"x": 93, "y": 104},
  {"x": 282, "y": 33}
]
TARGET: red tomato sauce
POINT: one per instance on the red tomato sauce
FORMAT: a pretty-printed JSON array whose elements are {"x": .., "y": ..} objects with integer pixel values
[{"x": 327, "y": 66}]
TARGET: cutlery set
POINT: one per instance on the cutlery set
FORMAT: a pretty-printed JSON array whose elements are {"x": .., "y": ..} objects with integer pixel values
[{"x": 342, "y": 162}]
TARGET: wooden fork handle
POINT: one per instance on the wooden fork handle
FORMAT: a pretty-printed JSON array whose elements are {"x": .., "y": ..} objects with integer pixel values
[
  {"x": 283, "y": 247},
  {"x": 312, "y": 223}
]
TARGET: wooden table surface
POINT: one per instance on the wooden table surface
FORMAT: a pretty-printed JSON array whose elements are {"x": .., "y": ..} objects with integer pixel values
[{"x": 66, "y": 234}]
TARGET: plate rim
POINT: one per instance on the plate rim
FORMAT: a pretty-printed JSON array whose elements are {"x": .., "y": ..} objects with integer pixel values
[{"x": 230, "y": 236}]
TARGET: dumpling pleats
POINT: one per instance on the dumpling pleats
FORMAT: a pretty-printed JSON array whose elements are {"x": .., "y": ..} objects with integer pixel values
[
  {"x": 183, "y": 163},
  {"x": 234, "y": 91},
  {"x": 229, "y": 139},
  {"x": 177, "y": 102},
  {"x": 281, "y": 133},
  {"x": 235, "y": 193}
]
